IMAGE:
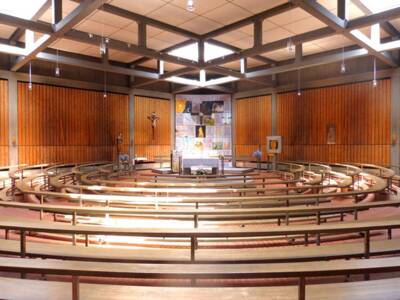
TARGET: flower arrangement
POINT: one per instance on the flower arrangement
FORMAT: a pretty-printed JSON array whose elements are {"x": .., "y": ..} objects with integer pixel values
[
  {"x": 257, "y": 154},
  {"x": 201, "y": 172}
]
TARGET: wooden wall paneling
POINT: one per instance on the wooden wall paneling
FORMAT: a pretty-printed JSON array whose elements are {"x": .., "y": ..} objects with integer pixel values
[
  {"x": 252, "y": 124},
  {"x": 58, "y": 124},
  {"x": 4, "y": 138},
  {"x": 145, "y": 144},
  {"x": 360, "y": 112}
]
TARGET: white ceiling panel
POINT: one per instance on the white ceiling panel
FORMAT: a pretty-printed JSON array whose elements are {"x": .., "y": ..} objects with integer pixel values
[
  {"x": 69, "y": 45},
  {"x": 333, "y": 42},
  {"x": 90, "y": 26},
  {"x": 304, "y": 25},
  {"x": 172, "y": 14},
  {"x": 200, "y": 25},
  {"x": 201, "y": 6},
  {"x": 256, "y": 6},
  {"x": 125, "y": 36},
  {"x": 227, "y": 13},
  {"x": 275, "y": 35},
  {"x": 231, "y": 36},
  {"x": 290, "y": 16},
  {"x": 6, "y": 31},
  {"x": 157, "y": 44},
  {"x": 281, "y": 54},
  {"x": 142, "y": 7},
  {"x": 122, "y": 56},
  {"x": 103, "y": 17}
]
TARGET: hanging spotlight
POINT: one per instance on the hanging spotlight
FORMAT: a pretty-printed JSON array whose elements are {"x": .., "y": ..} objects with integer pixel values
[
  {"x": 290, "y": 45},
  {"x": 190, "y": 5},
  {"x": 374, "y": 82},
  {"x": 103, "y": 47},
  {"x": 30, "y": 77},
  {"x": 57, "y": 69},
  {"x": 343, "y": 65},
  {"x": 298, "y": 83},
  {"x": 105, "y": 85}
]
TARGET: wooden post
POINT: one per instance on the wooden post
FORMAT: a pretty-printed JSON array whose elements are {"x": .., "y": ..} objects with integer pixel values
[
  {"x": 23, "y": 244},
  {"x": 192, "y": 248},
  {"x": 196, "y": 221},
  {"x": 366, "y": 244},
  {"x": 74, "y": 223},
  {"x": 75, "y": 288},
  {"x": 302, "y": 288}
]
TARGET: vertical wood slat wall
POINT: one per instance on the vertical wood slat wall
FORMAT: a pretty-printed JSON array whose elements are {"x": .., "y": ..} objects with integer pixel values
[
  {"x": 145, "y": 145},
  {"x": 4, "y": 144},
  {"x": 360, "y": 112},
  {"x": 252, "y": 124},
  {"x": 58, "y": 124}
]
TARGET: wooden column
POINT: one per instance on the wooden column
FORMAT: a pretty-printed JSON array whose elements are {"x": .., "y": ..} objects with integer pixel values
[
  {"x": 395, "y": 124},
  {"x": 131, "y": 118},
  {"x": 12, "y": 119},
  {"x": 274, "y": 117}
]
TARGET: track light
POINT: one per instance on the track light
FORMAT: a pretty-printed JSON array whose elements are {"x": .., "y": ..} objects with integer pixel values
[
  {"x": 290, "y": 45},
  {"x": 57, "y": 69},
  {"x": 374, "y": 81},
  {"x": 298, "y": 83},
  {"x": 30, "y": 77},
  {"x": 105, "y": 85},
  {"x": 190, "y": 5},
  {"x": 343, "y": 65},
  {"x": 103, "y": 47}
]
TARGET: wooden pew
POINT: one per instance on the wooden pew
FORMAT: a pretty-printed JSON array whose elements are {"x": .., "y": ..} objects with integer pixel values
[
  {"x": 301, "y": 271},
  {"x": 381, "y": 289},
  {"x": 364, "y": 227}
]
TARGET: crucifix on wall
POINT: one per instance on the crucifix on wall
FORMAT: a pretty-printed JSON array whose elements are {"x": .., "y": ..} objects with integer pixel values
[{"x": 153, "y": 119}]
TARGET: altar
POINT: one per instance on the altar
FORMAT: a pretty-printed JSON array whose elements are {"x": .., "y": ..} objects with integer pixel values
[{"x": 194, "y": 165}]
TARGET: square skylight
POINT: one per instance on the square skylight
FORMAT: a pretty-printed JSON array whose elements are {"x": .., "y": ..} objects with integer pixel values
[
  {"x": 21, "y": 8},
  {"x": 191, "y": 52},
  {"x": 378, "y": 6}
]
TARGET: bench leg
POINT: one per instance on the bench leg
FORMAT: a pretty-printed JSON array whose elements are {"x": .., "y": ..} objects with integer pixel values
[
  {"x": 192, "y": 248},
  {"x": 75, "y": 288},
  {"x": 302, "y": 288}
]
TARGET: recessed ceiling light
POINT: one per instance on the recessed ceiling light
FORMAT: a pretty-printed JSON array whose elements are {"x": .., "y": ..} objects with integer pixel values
[{"x": 190, "y": 5}]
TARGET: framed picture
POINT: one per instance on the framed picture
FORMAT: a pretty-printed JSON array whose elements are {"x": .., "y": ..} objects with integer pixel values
[
  {"x": 274, "y": 144},
  {"x": 331, "y": 134},
  {"x": 201, "y": 131}
]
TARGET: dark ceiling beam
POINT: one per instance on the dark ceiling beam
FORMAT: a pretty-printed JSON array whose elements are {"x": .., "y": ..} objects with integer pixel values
[
  {"x": 190, "y": 88},
  {"x": 250, "y": 20},
  {"x": 77, "y": 15},
  {"x": 142, "y": 60},
  {"x": 309, "y": 62},
  {"x": 56, "y": 11},
  {"x": 129, "y": 48},
  {"x": 226, "y": 72},
  {"x": 81, "y": 63},
  {"x": 177, "y": 72},
  {"x": 373, "y": 19},
  {"x": 260, "y": 58},
  {"x": 386, "y": 25},
  {"x": 149, "y": 21},
  {"x": 300, "y": 38},
  {"x": 342, "y": 26},
  {"x": 16, "y": 35},
  {"x": 342, "y": 9},
  {"x": 26, "y": 24}
]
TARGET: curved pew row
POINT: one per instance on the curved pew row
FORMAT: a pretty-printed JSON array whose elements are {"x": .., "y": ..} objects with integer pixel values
[
  {"x": 378, "y": 185},
  {"x": 385, "y": 289}
]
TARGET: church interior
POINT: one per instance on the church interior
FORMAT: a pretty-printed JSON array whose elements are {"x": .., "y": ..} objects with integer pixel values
[{"x": 199, "y": 149}]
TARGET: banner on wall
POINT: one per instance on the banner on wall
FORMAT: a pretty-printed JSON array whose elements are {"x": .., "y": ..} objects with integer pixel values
[{"x": 203, "y": 125}]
